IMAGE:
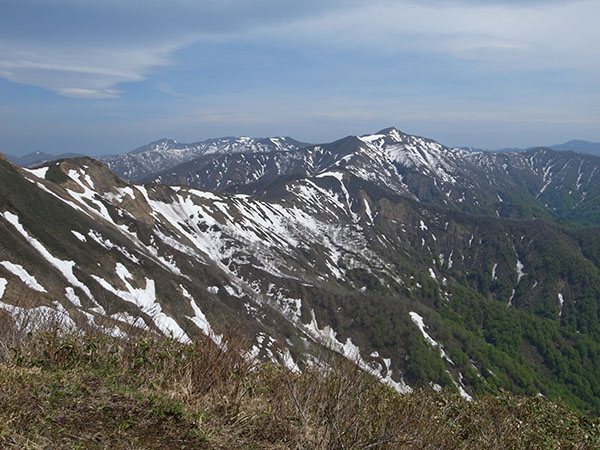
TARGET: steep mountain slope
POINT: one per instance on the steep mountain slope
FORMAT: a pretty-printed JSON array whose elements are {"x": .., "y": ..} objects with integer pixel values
[
  {"x": 419, "y": 294},
  {"x": 163, "y": 154},
  {"x": 536, "y": 183}
]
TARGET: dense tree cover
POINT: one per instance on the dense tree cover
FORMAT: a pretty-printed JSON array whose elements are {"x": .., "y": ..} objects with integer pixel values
[{"x": 534, "y": 345}]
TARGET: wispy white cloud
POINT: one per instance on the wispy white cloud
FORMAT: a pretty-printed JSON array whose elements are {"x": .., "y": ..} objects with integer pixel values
[
  {"x": 87, "y": 49},
  {"x": 89, "y": 93},
  {"x": 85, "y": 71},
  {"x": 548, "y": 34},
  {"x": 90, "y": 58}
]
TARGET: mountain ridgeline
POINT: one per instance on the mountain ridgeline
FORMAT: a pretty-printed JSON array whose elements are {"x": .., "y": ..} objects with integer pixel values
[
  {"x": 165, "y": 154},
  {"x": 538, "y": 183},
  {"x": 428, "y": 266}
]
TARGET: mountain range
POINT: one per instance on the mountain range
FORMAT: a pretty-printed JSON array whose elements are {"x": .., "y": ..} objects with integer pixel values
[
  {"x": 592, "y": 148},
  {"x": 154, "y": 151},
  {"x": 37, "y": 158},
  {"x": 520, "y": 184},
  {"x": 574, "y": 145},
  {"x": 428, "y": 266}
]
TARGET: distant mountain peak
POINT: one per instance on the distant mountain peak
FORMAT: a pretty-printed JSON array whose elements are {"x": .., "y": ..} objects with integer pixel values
[
  {"x": 578, "y": 145},
  {"x": 389, "y": 131}
]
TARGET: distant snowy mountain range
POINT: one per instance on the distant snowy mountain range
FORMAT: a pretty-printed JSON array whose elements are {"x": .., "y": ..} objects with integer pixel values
[
  {"x": 428, "y": 266},
  {"x": 164, "y": 154},
  {"x": 579, "y": 146},
  {"x": 509, "y": 184},
  {"x": 155, "y": 152}
]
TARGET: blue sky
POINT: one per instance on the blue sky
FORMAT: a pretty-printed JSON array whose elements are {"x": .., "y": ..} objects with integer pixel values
[{"x": 106, "y": 77}]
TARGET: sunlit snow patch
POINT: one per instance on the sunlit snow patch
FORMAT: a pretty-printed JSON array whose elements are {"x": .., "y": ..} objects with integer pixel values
[
  {"x": 328, "y": 337},
  {"x": 200, "y": 319},
  {"x": 72, "y": 297},
  {"x": 561, "y": 300},
  {"x": 29, "y": 318},
  {"x": 79, "y": 236},
  {"x": 145, "y": 299},
  {"x": 65, "y": 267},
  {"x": 418, "y": 321},
  {"x": 520, "y": 273},
  {"x": 40, "y": 173},
  {"x": 19, "y": 271},
  {"x": 432, "y": 274}
]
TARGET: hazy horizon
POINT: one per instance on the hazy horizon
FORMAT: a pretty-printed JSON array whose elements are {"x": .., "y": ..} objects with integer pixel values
[
  {"x": 106, "y": 78},
  {"x": 259, "y": 137}
]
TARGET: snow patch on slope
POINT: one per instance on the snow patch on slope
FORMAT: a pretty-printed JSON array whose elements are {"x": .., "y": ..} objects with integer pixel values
[
  {"x": 28, "y": 318},
  {"x": 40, "y": 173},
  {"x": 79, "y": 236},
  {"x": 72, "y": 297},
  {"x": 200, "y": 319},
  {"x": 328, "y": 337},
  {"x": 65, "y": 267},
  {"x": 561, "y": 300},
  {"x": 418, "y": 321},
  {"x": 520, "y": 273},
  {"x": 25, "y": 277},
  {"x": 145, "y": 299}
]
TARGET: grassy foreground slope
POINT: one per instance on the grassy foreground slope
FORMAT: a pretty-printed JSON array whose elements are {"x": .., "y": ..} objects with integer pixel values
[{"x": 88, "y": 390}]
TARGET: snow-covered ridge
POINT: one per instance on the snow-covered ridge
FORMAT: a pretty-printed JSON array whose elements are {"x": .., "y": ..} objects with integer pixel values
[
  {"x": 164, "y": 154},
  {"x": 404, "y": 164}
]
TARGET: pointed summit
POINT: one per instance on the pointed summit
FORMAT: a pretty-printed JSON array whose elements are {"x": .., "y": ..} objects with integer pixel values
[
  {"x": 389, "y": 130},
  {"x": 163, "y": 143},
  {"x": 393, "y": 133}
]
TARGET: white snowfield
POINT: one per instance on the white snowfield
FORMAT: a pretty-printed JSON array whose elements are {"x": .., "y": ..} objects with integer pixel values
[
  {"x": 40, "y": 173},
  {"x": 165, "y": 154},
  {"x": 19, "y": 271},
  {"x": 28, "y": 318},
  {"x": 210, "y": 223},
  {"x": 200, "y": 319},
  {"x": 79, "y": 236},
  {"x": 253, "y": 254},
  {"x": 145, "y": 299},
  {"x": 561, "y": 301}
]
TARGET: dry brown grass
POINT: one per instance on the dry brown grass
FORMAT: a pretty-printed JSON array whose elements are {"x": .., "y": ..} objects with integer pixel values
[{"x": 87, "y": 390}]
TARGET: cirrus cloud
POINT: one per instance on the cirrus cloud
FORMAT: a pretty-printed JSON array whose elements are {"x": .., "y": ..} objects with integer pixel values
[{"x": 90, "y": 49}]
